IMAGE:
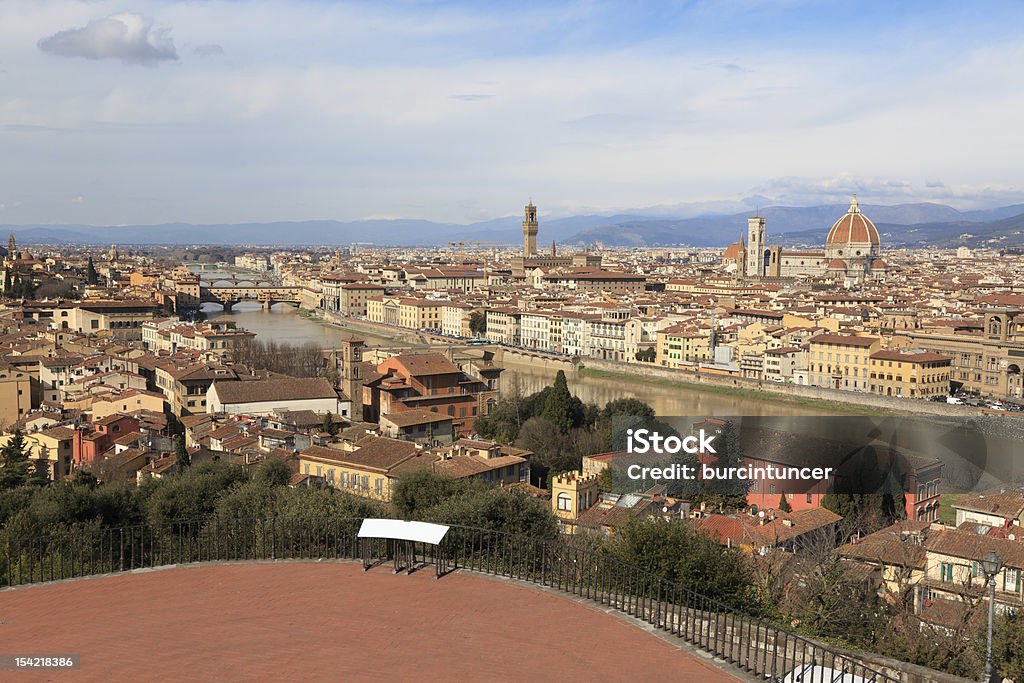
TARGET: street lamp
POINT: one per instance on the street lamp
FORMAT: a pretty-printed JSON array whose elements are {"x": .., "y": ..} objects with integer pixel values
[{"x": 991, "y": 565}]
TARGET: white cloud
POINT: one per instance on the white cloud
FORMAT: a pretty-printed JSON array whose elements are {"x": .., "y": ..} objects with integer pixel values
[
  {"x": 127, "y": 36},
  {"x": 208, "y": 50},
  {"x": 78, "y": 199}
]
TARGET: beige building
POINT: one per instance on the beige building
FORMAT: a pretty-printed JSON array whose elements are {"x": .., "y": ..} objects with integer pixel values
[
  {"x": 909, "y": 375},
  {"x": 15, "y": 394},
  {"x": 572, "y": 493},
  {"x": 841, "y": 361},
  {"x": 682, "y": 345},
  {"x": 987, "y": 359}
]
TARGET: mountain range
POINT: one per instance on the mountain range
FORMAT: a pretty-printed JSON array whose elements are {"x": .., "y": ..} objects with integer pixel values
[{"x": 899, "y": 225}]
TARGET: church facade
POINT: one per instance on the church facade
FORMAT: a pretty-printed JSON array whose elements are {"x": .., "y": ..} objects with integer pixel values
[{"x": 853, "y": 252}]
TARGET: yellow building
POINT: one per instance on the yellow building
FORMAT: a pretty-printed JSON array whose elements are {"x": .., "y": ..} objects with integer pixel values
[
  {"x": 682, "y": 345},
  {"x": 370, "y": 467},
  {"x": 369, "y": 470},
  {"x": 572, "y": 493},
  {"x": 15, "y": 394},
  {"x": 54, "y": 445},
  {"x": 841, "y": 361},
  {"x": 911, "y": 375},
  {"x": 126, "y": 402},
  {"x": 420, "y": 314}
]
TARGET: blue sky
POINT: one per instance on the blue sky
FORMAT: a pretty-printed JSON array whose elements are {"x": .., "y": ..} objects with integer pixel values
[{"x": 141, "y": 111}]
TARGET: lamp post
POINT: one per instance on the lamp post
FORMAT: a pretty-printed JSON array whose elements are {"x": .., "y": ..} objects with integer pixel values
[{"x": 991, "y": 565}]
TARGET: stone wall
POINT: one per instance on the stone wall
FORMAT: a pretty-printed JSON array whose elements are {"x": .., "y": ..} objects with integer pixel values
[{"x": 888, "y": 403}]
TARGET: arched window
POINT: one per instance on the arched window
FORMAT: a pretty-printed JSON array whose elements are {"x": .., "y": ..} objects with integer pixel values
[{"x": 565, "y": 502}]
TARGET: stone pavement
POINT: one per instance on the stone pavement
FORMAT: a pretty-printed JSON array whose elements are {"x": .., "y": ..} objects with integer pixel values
[{"x": 328, "y": 622}]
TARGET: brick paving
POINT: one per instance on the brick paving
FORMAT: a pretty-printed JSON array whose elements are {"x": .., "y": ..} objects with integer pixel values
[{"x": 328, "y": 622}]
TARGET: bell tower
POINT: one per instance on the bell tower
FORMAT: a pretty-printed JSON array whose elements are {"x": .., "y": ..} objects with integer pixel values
[
  {"x": 755, "y": 246},
  {"x": 351, "y": 378},
  {"x": 530, "y": 229}
]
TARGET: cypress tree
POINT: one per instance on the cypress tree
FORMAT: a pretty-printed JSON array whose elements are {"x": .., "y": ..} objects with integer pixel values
[
  {"x": 558, "y": 407},
  {"x": 14, "y": 453},
  {"x": 184, "y": 459}
]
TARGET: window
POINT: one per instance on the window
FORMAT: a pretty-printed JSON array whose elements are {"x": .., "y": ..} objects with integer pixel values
[
  {"x": 810, "y": 498},
  {"x": 1011, "y": 580},
  {"x": 379, "y": 486},
  {"x": 946, "y": 571},
  {"x": 565, "y": 502}
]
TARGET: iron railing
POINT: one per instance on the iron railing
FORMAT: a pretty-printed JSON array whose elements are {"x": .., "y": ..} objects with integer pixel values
[{"x": 756, "y": 646}]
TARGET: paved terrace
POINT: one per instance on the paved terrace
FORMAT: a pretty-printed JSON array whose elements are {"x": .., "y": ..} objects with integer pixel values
[{"x": 329, "y": 622}]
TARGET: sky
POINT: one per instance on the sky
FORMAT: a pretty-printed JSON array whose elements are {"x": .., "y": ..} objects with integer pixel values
[{"x": 146, "y": 111}]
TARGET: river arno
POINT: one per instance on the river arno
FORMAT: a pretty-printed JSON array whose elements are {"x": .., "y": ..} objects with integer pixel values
[{"x": 285, "y": 325}]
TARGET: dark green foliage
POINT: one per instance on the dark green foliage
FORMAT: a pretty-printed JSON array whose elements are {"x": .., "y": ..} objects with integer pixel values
[
  {"x": 832, "y": 605},
  {"x": 272, "y": 472},
  {"x": 193, "y": 494},
  {"x": 1008, "y": 645},
  {"x": 674, "y": 551},
  {"x": 500, "y": 510},
  {"x": 416, "y": 492},
  {"x": 784, "y": 505},
  {"x": 16, "y": 467},
  {"x": 478, "y": 323},
  {"x": 329, "y": 426},
  {"x": 559, "y": 407},
  {"x": 52, "y": 509},
  {"x": 182, "y": 457},
  {"x": 646, "y": 355}
]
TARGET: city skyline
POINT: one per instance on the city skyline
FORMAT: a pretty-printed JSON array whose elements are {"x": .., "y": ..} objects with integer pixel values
[{"x": 156, "y": 112}]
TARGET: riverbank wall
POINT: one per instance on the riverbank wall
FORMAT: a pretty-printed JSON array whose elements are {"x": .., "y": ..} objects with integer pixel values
[{"x": 766, "y": 391}]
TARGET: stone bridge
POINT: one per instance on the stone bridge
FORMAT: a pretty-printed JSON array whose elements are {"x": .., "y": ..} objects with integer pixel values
[{"x": 268, "y": 295}]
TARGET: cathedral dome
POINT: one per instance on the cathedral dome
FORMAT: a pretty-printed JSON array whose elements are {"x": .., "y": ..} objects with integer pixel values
[{"x": 853, "y": 228}]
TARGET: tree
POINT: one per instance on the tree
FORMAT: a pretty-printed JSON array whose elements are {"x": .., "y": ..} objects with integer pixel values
[
  {"x": 273, "y": 472},
  {"x": 329, "y": 426},
  {"x": 183, "y": 457},
  {"x": 558, "y": 405},
  {"x": 498, "y": 509},
  {"x": 833, "y": 605},
  {"x": 14, "y": 454},
  {"x": 784, "y": 505},
  {"x": 673, "y": 550},
  {"x": 552, "y": 448},
  {"x": 41, "y": 472},
  {"x": 478, "y": 323},
  {"x": 91, "y": 276},
  {"x": 413, "y": 493},
  {"x": 1008, "y": 645}
]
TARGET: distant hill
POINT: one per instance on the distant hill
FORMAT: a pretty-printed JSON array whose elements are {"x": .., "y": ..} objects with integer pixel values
[{"x": 899, "y": 225}]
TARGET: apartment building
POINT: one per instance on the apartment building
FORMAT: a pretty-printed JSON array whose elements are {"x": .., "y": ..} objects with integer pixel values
[
  {"x": 683, "y": 345},
  {"x": 906, "y": 374},
  {"x": 15, "y": 394},
  {"x": 987, "y": 357},
  {"x": 781, "y": 364},
  {"x": 841, "y": 361}
]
